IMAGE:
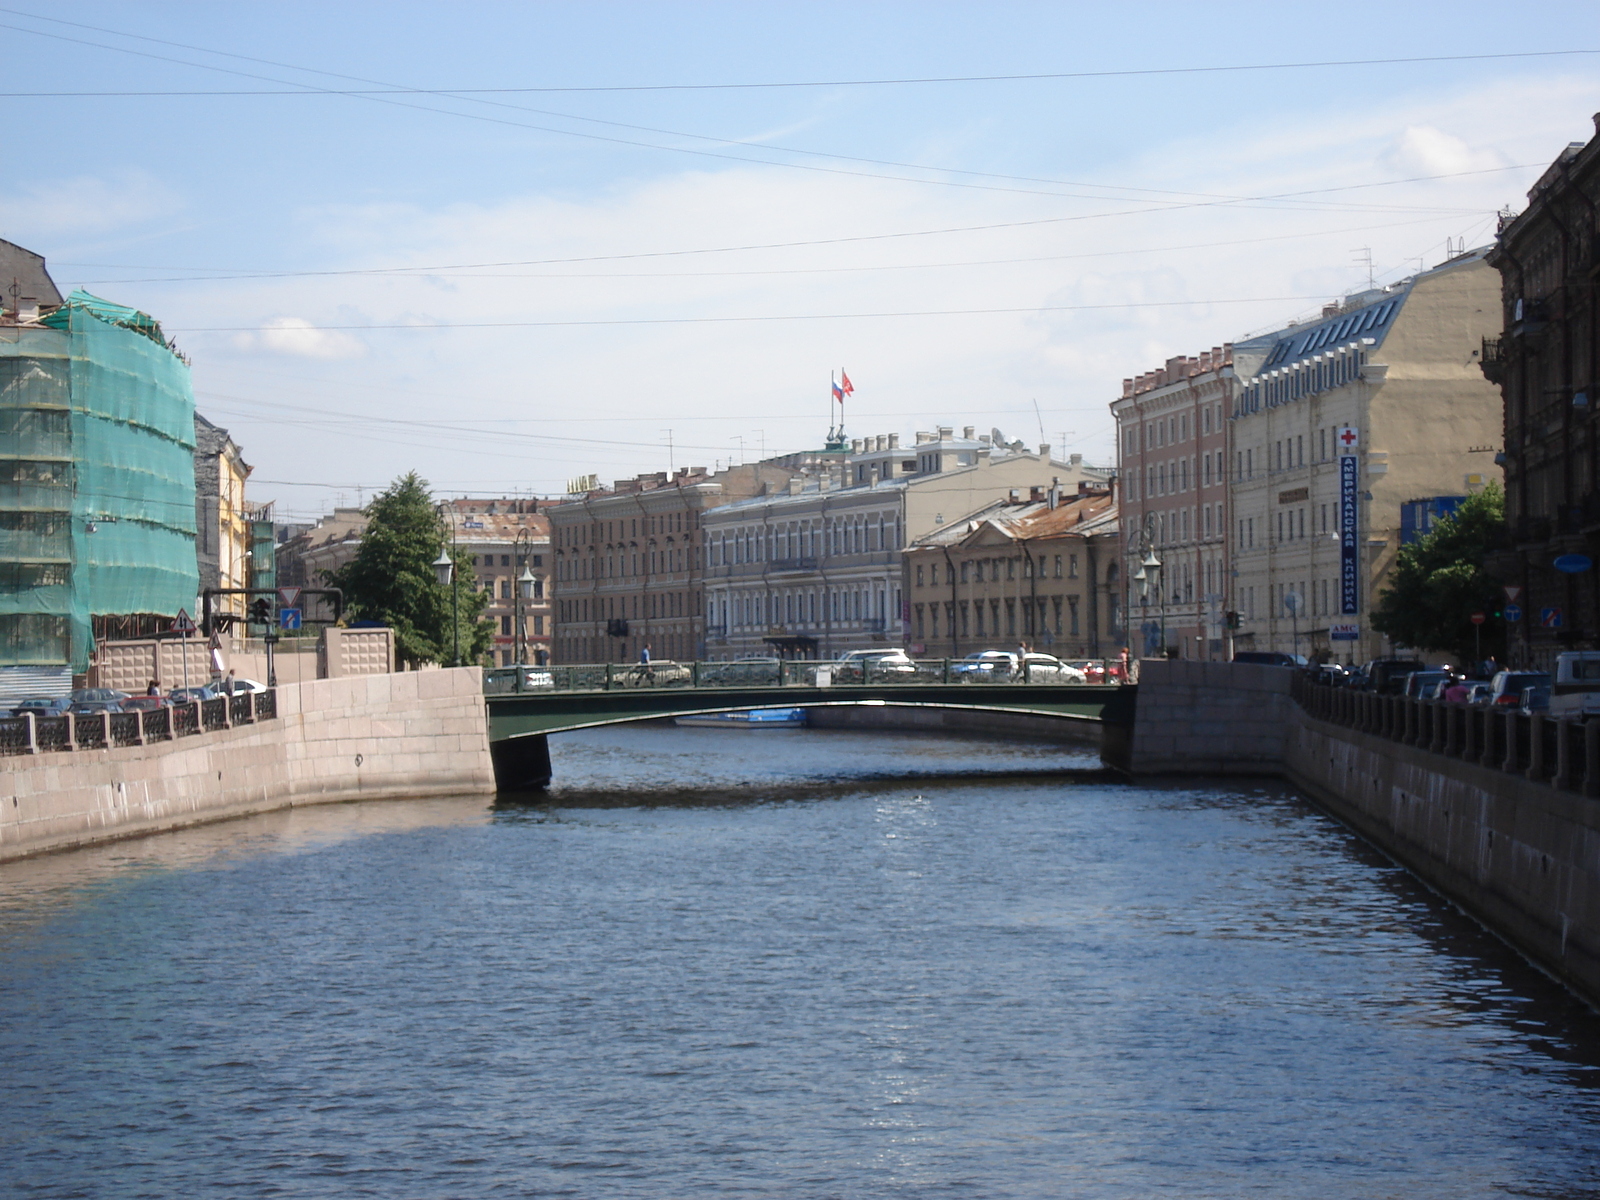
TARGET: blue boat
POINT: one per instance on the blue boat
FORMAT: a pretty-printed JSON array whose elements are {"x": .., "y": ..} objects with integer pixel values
[{"x": 750, "y": 718}]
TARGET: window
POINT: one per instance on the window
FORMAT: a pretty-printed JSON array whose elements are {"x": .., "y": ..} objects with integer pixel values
[
  {"x": 505, "y": 589},
  {"x": 1072, "y": 616},
  {"x": 1011, "y": 568},
  {"x": 1300, "y": 449},
  {"x": 505, "y": 626},
  {"x": 933, "y": 573},
  {"x": 919, "y": 575}
]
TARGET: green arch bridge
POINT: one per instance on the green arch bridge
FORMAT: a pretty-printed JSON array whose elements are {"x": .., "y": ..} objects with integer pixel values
[{"x": 526, "y": 704}]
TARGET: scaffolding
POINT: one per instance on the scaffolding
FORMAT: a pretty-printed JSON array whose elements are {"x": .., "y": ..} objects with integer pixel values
[{"x": 97, "y": 504}]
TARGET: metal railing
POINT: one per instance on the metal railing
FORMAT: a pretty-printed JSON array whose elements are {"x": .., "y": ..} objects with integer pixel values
[
  {"x": 35, "y": 734},
  {"x": 784, "y": 673},
  {"x": 1562, "y": 753}
]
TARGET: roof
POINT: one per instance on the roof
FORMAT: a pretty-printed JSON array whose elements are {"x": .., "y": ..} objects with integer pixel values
[
  {"x": 109, "y": 312},
  {"x": 1078, "y": 516},
  {"x": 500, "y": 527},
  {"x": 25, "y": 270}
]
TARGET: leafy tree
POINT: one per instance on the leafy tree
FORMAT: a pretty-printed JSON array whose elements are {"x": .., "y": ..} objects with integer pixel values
[
  {"x": 1439, "y": 581},
  {"x": 391, "y": 579}
]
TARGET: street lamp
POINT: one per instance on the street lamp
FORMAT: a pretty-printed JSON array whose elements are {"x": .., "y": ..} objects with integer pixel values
[
  {"x": 525, "y": 582},
  {"x": 444, "y": 570},
  {"x": 1150, "y": 569}
]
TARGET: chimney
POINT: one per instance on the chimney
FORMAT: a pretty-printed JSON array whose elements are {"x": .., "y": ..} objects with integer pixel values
[
  {"x": 1075, "y": 460},
  {"x": 1044, "y": 449},
  {"x": 894, "y": 441},
  {"x": 1016, "y": 496},
  {"x": 797, "y": 484},
  {"x": 880, "y": 442},
  {"x": 923, "y": 436},
  {"x": 968, "y": 430},
  {"x": 946, "y": 432},
  {"x": 27, "y": 308},
  {"x": 1035, "y": 494},
  {"x": 855, "y": 445}
]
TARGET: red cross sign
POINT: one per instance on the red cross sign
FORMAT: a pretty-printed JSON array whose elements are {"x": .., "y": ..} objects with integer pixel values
[{"x": 1347, "y": 437}]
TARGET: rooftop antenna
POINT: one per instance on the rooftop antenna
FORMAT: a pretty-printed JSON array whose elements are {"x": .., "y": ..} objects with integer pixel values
[
  {"x": 671, "y": 462},
  {"x": 1039, "y": 417},
  {"x": 1363, "y": 257}
]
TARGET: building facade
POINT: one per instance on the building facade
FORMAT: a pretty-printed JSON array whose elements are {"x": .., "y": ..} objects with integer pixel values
[
  {"x": 1546, "y": 365},
  {"x": 1172, "y": 445},
  {"x": 816, "y": 568},
  {"x": 630, "y": 561},
  {"x": 504, "y": 537},
  {"x": 310, "y": 556},
  {"x": 223, "y": 530},
  {"x": 1043, "y": 570},
  {"x": 1338, "y": 425}
]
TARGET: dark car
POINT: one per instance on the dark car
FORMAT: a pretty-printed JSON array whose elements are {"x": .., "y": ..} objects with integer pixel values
[
  {"x": 1386, "y": 676},
  {"x": 1505, "y": 690},
  {"x": 192, "y": 695},
  {"x": 145, "y": 703},
  {"x": 88, "y": 701},
  {"x": 43, "y": 706},
  {"x": 1267, "y": 658}
]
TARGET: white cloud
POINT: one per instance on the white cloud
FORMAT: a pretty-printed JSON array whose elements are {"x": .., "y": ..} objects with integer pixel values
[
  {"x": 1424, "y": 150},
  {"x": 297, "y": 337},
  {"x": 85, "y": 205}
]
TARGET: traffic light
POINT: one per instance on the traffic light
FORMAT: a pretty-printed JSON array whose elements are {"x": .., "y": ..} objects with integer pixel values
[
  {"x": 261, "y": 611},
  {"x": 1232, "y": 619}
]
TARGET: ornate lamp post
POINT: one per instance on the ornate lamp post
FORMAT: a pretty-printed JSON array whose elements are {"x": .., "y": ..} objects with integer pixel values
[
  {"x": 525, "y": 585},
  {"x": 444, "y": 569},
  {"x": 1148, "y": 576}
]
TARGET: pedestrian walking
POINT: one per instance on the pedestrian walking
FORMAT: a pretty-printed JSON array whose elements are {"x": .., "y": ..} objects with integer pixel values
[
  {"x": 645, "y": 668},
  {"x": 154, "y": 689}
]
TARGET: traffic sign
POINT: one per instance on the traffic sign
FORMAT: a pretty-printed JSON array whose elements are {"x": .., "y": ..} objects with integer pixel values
[
  {"x": 1348, "y": 439},
  {"x": 1573, "y": 564},
  {"x": 1478, "y": 618},
  {"x": 1513, "y": 594},
  {"x": 181, "y": 623},
  {"x": 1550, "y": 618},
  {"x": 1513, "y": 612},
  {"x": 288, "y": 597},
  {"x": 289, "y": 618}
]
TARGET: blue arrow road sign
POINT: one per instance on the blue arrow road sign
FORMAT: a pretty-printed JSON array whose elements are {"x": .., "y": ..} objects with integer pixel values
[
  {"x": 1513, "y": 613},
  {"x": 289, "y": 618},
  {"x": 1550, "y": 618}
]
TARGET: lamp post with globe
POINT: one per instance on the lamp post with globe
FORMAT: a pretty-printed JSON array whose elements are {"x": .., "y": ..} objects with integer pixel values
[{"x": 444, "y": 570}]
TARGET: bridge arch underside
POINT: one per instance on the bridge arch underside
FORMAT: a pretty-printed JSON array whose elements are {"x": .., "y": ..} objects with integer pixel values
[{"x": 518, "y": 725}]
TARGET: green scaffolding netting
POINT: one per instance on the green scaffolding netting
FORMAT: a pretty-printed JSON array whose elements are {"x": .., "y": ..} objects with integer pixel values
[{"x": 96, "y": 479}]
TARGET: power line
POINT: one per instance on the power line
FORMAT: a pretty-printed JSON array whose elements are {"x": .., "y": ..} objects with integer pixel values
[
  {"x": 940, "y": 312},
  {"x": 379, "y": 98}
]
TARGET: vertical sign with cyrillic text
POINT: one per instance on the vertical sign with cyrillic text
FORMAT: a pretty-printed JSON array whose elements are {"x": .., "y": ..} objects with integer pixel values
[{"x": 1349, "y": 566}]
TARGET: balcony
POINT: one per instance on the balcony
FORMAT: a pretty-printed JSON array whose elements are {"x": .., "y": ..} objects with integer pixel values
[
  {"x": 801, "y": 563},
  {"x": 1492, "y": 361}
]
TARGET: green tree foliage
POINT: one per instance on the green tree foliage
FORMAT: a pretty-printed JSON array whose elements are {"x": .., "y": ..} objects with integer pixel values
[
  {"x": 1439, "y": 581},
  {"x": 391, "y": 579}
]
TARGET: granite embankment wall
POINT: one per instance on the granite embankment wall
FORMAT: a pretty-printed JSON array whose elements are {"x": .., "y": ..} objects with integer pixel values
[
  {"x": 1518, "y": 853},
  {"x": 363, "y": 738}
]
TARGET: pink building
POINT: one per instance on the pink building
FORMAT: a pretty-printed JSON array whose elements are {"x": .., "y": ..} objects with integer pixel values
[{"x": 1172, "y": 444}]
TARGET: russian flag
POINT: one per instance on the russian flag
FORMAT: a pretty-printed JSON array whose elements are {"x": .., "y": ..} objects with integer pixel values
[{"x": 838, "y": 392}]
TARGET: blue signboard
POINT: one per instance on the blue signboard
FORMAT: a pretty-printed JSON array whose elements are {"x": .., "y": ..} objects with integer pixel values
[
  {"x": 289, "y": 618},
  {"x": 1513, "y": 613},
  {"x": 1349, "y": 565},
  {"x": 1550, "y": 618},
  {"x": 1572, "y": 564}
]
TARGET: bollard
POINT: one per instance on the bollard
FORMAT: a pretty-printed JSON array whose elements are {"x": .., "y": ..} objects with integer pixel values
[
  {"x": 1468, "y": 750},
  {"x": 1564, "y": 753},
  {"x": 1536, "y": 764},
  {"x": 1493, "y": 752},
  {"x": 33, "y": 731},
  {"x": 1509, "y": 762},
  {"x": 1447, "y": 744},
  {"x": 1591, "y": 758}
]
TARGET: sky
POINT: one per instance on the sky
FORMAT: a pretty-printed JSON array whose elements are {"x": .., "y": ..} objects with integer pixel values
[{"x": 508, "y": 245}]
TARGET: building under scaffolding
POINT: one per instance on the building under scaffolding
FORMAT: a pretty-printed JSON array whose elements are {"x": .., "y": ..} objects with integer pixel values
[{"x": 97, "y": 494}]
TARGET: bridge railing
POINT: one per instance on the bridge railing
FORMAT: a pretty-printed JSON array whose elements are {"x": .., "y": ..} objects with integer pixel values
[
  {"x": 32, "y": 733},
  {"x": 787, "y": 673}
]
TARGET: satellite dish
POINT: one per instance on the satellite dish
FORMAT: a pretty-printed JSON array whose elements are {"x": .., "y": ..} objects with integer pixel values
[{"x": 998, "y": 438}]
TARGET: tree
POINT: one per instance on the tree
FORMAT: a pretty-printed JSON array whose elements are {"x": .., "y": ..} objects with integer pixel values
[
  {"x": 391, "y": 579},
  {"x": 1439, "y": 581}
]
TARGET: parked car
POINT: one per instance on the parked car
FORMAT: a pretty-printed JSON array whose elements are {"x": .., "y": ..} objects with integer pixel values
[
  {"x": 1094, "y": 669},
  {"x": 192, "y": 695},
  {"x": 1269, "y": 658},
  {"x": 1385, "y": 675},
  {"x": 144, "y": 703},
  {"x": 858, "y": 666},
  {"x": 1576, "y": 691},
  {"x": 1047, "y": 668},
  {"x": 239, "y": 687},
  {"x": 1534, "y": 699},
  {"x": 985, "y": 666},
  {"x": 1505, "y": 690},
  {"x": 87, "y": 701},
  {"x": 1478, "y": 693},
  {"x": 1424, "y": 685},
  {"x": 43, "y": 706}
]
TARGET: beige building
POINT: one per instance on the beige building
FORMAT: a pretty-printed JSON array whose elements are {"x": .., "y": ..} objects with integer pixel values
[
  {"x": 306, "y": 559},
  {"x": 1042, "y": 570},
  {"x": 815, "y": 569},
  {"x": 1339, "y": 424},
  {"x": 504, "y": 537},
  {"x": 222, "y": 523}
]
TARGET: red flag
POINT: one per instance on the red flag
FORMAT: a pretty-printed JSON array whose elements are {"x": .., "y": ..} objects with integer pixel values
[{"x": 845, "y": 385}]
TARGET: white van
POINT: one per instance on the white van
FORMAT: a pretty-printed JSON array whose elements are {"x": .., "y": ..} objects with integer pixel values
[{"x": 1576, "y": 691}]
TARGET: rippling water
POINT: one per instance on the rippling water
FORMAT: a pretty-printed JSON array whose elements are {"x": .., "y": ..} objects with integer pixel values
[{"x": 779, "y": 963}]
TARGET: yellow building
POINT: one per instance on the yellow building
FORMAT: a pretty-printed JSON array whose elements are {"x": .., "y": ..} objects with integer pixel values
[{"x": 222, "y": 526}]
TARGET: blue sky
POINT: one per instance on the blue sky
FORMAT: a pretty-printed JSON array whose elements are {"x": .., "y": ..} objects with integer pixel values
[{"x": 507, "y": 289}]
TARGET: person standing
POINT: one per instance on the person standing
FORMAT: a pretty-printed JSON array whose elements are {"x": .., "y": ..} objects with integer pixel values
[{"x": 645, "y": 668}]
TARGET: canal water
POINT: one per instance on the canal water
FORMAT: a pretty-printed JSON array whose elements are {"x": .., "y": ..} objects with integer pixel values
[{"x": 779, "y": 964}]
